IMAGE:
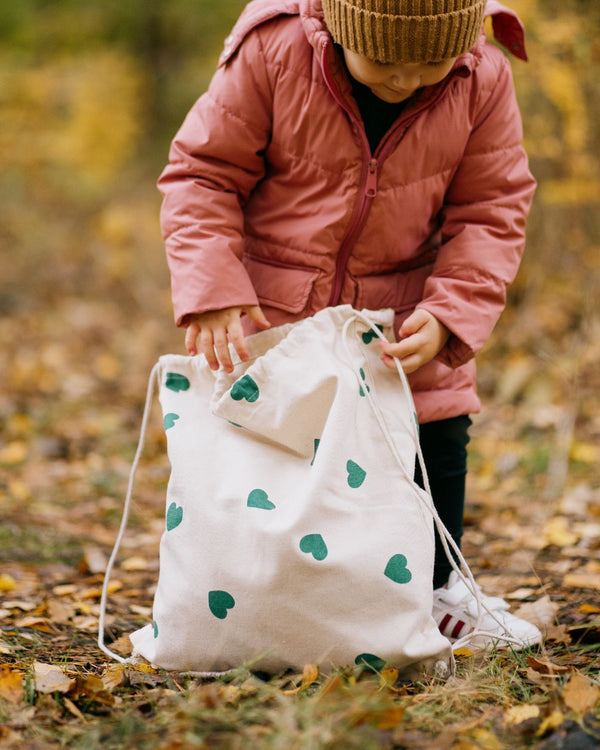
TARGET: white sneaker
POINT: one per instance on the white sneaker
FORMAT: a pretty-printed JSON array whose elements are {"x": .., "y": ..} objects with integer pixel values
[{"x": 455, "y": 612}]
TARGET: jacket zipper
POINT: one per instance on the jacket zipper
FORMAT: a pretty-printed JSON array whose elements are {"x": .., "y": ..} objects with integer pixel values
[{"x": 368, "y": 179}]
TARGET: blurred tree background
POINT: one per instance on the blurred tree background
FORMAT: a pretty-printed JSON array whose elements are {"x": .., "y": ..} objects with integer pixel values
[{"x": 91, "y": 94}]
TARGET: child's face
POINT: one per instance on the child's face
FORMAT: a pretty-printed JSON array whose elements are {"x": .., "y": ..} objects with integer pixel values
[{"x": 395, "y": 82}]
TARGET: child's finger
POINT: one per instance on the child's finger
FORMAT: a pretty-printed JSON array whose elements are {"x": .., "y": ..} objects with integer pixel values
[
  {"x": 191, "y": 335},
  {"x": 206, "y": 347},
  {"x": 222, "y": 350},
  {"x": 236, "y": 336},
  {"x": 257, "y": 316},
  {"x": 414, "y": 322}
]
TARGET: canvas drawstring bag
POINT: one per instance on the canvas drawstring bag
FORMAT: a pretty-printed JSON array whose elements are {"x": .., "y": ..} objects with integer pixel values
[{"x": 294, "y": 530}]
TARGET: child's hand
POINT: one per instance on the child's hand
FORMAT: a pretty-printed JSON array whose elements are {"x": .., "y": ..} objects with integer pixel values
[
  {"x": 215, "y": 329},
  {"x": 422, "y": 336}
]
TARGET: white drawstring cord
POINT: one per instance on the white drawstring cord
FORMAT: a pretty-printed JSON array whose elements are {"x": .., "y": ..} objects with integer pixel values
[
  {"x": 152, "y": 380},
  {"x": 467, "y": 577}
]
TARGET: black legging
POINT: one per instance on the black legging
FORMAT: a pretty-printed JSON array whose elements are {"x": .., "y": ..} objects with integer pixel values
[{"x": 444, "y": 447}]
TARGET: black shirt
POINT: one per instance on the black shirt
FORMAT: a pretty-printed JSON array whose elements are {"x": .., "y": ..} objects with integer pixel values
[{"x": 378, "y": 116}]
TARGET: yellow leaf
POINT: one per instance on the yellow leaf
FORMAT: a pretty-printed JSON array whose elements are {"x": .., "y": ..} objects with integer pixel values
[
  {"x": 518, "y": 714},
  {"x": 589, "y": 609},
  {"x": 7, "y": 583},
  {"x": 11, "y": 684},
  {"x": 13, "y": 453},
  {"x": 485, "y": 739},
  {"x": 310, "y": 674},
  {"x": 554, "y": 720},
  {"x": 557, "y": 532},
  {"x": 388, "y": 676},
  {"x": 580, "y": 694},
  {"x": 585, "y": 453}
]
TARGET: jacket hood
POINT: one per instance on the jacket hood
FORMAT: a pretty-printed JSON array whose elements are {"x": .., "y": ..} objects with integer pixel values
[{"x": 506, "y": 25}]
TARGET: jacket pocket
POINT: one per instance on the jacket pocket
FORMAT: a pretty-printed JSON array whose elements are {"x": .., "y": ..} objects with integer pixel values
[
  {"x": 400, "y": 290},
  {"x": 281, "y": 286}
]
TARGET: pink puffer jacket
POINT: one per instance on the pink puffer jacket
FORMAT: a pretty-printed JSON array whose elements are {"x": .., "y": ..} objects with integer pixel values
[{"x": 272, "y": 195}]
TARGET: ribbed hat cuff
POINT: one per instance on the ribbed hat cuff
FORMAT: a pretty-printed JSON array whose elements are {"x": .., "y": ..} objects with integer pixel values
[{"x": 390, "y": 38}]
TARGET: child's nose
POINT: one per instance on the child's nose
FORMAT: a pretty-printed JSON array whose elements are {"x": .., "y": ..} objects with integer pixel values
[{"x": 406, "y": 78}]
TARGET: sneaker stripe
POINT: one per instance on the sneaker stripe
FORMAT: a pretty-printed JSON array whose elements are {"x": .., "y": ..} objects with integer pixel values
[
  {"x": 444, "y": 624},
  {"x": 457, "y": 629}
]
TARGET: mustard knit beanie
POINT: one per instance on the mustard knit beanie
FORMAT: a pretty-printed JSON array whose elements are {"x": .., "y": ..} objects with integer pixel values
[{"x": 391, "y": 31}]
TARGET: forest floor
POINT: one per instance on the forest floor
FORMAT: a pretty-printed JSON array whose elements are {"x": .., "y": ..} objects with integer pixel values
[{"x": 74, "y": 382}]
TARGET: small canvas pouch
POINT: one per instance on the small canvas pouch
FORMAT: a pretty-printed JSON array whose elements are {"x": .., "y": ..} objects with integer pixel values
[{"x": 294, "y": 531}]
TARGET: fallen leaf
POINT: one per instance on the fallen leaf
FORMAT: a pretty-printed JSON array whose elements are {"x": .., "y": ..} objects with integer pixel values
[
  {"x": 36, "y": 623},
  {"x": 557, "y": 532},
  {"x": 580, "y": 694},
  {"x": 18, "y": 604},
  {"x": 582, "y": 580},
  {"x": 72, "y": 708},
  {"x": 11, "y": 684},
  {"x": 557, "y": 633},
  {"x": 541, "y": 612},
  {"x": 91, "y": 688},
  {"x": 545, "y": 666},
  {"x": 132, "y": 564},
  {"x": 520, "y": 594},
  {"x": 95, "y": 593},
  {"x": 51, "y": 679},
  {"x": 13, "y": 453},
  {"x": 388, "y": 677},
  {"x": 586, "y": 453},
  {"x": 114, "y": 676},
  {"x": 7, "y": 583},
  {"x": 518, "y": 714},
  {"x": 552, "y": 721},
  {"x": 589, "y": 609},
  {"x": 65, "y": 589},
  {"x": 310, "y": 674},
  {"x": 94, "y": 560},
  {"x": 60, "y": 611}
]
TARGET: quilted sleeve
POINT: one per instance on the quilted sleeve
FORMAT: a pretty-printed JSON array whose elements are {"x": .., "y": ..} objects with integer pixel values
[
  {"x": 483, "y": 229},
  {"x": 215, "y": 161}
]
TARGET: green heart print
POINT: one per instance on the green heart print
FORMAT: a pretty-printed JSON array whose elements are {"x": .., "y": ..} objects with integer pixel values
[
  {"x": 169, "y": 420},
  {"x": 317, "y": 442},
  {"x": 396, "y": 569},
  {"x": 219, "y": 603},
  {"x": 369, "y": 335},
  {"x": 314, "y": 544},
  {"x": 177, "y": 382},
  {"x": 245, "y": 388},
  {"x": 174, "y": 516},
  {"x": 259, "y": 499},
  {"x": 364, "y": 379},
  {"x": 370, "y": 661},
  {"x": 356, "y": 474}
]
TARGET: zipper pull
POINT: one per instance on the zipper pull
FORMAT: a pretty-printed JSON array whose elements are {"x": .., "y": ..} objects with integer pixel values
[{"x": 371, "y": 186}]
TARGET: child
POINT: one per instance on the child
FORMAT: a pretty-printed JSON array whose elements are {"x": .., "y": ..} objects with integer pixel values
[{"x": 363, "y": 152}]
